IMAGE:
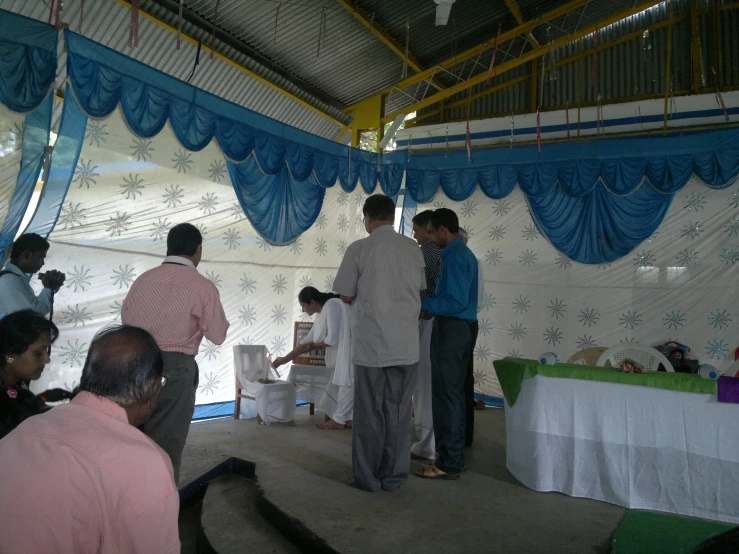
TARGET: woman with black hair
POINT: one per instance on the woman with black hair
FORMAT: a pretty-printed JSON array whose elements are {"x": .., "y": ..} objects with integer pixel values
[
  {"x": 329, "y": 331},
  {"x": 25, "y": 339}
]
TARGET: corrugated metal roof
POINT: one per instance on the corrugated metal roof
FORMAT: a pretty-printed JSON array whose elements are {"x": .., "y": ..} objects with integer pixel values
[
  {"x": 107, "y": 22},
  {"x": 352, "y": 63},
  {"x": 625, "y": 70},
  {"x": 471, "y": 22}
]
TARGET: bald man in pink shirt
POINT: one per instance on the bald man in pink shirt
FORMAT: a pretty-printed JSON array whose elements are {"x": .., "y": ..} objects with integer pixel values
[
  {"x": 178, "y": 306},
  {"x": 82, "y": 478}
]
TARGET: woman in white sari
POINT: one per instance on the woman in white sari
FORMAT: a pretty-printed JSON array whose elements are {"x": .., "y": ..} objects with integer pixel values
[{"x": 330, "y": 331}]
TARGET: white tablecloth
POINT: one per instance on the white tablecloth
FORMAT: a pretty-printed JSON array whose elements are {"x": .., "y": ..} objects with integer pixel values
[{"x": 638, "y": 447}]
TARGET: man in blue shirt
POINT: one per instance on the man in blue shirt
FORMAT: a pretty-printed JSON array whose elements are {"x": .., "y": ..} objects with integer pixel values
[
  {"x": 454, "y": 306},
  {"x": 26, "y": 258}
]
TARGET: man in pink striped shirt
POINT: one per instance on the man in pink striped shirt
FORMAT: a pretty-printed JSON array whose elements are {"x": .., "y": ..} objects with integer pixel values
[{"x": 178, "y": 306}]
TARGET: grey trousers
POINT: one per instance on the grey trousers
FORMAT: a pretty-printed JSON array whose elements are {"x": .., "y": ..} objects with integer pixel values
[
  {"x": 381, "y": 441},
  {"x": 170, "y": 423}
]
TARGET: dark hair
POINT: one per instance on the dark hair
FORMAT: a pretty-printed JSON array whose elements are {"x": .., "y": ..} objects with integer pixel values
[
  {"x": 444, "y": 217},
  {"x": 309, "y": 294},
  {"x": 124, "y": 364},
  {"x": 423, "y": 218},
  {"x": 183, "y": 240},
  {"x": 19, "y": 330},
  {"x": 379, "y": 207},
  {"x": 31, "y": 242}
]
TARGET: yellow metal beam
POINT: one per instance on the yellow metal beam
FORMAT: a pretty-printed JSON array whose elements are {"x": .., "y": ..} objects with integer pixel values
[
  {"x": 475, "y": 51},
  {"x": 512, "y": 6},
  {"x": 206, "y": 48},
  {"x": 524, "y": 58},
  {"x": 620, "y": 40},
  {"x": 398, "y": 49},
  {"x": 534, "y": 76}
]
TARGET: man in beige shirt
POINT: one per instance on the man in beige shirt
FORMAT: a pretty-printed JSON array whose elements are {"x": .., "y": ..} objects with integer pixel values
[{"x": 382, "y": 277}]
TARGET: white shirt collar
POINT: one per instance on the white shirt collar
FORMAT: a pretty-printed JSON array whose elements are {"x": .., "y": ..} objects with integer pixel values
[{"x": 179, "y": 260}]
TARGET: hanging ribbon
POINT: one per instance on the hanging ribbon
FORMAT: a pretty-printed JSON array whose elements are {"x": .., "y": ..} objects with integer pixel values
[
  {"x": 469, "y": 143},
  {"x": 133, "y": 28},
  {"x": 595, "y": 76},
  {"x": 495, "y": 51},
  {"x": 369, "y": 38},
  {"x": 58, "y": 16},
  {"x": 538, "y": 129},
  {"x": 277, "y": 18},
  {"x": 321, "y": 31},
  {"x": 51, "y": 10},
  {"x": 446, "y": 144},
  {"x": 567, "y": 118},
  {"x": 404, "y": 73},
  {"x": 82, "y": 15},
  {"x": 513, "y": 129},
  {"x": 408, "y": 152},
  {"x": 349, "y": 163},
  {"x": 179, "y": 25},
  {"x": 213, "y": 36},
  {"x": 719, "y": 96}
]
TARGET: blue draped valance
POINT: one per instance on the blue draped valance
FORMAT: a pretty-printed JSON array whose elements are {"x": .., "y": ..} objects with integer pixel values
[
  {"x": 102, "y": 78},
  {"x": 28, "y": 61},
  {"x": 596, "y": 200}
]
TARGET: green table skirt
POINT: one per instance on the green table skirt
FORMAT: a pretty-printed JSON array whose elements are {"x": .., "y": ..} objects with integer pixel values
[{"x": 512, "y": 371}]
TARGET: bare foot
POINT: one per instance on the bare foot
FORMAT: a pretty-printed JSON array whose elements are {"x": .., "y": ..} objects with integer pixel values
[{"x": 331, "y": 424}]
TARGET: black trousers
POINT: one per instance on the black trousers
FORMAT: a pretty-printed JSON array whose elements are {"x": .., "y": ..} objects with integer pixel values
[
  {"x": 450, "y": 343},
  {"x": 469, "y": 389}
]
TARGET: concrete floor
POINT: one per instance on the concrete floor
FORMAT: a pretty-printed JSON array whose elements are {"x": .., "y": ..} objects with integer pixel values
[{"x": 303, "y": 471}]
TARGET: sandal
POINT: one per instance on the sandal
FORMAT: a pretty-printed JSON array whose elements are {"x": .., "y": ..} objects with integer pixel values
[{"x": 433, "y": 472}]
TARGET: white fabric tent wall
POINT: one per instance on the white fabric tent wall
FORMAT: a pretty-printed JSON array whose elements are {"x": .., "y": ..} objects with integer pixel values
[
  {"x": 11, "y": 139},
  {"x": 126, "y": 193},
  {"x": 681, "y": 284}
]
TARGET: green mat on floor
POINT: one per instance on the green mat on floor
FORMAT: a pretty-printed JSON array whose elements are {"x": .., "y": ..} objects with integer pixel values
[{"x": 652, "y": 533}]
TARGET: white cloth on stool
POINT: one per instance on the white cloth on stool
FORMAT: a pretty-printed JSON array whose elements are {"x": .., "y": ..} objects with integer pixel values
[
  {"x": 276, "y": 402},
  {"x": 423, "y": 418}
]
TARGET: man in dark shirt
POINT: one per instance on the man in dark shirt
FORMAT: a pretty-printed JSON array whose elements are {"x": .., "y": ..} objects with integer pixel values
[
  {"x": 425, "y": 448},
  {"x": 454, "y": 306}
]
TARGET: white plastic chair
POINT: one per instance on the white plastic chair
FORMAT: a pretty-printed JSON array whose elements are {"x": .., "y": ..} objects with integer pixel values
[{"x": 648, "y": 357}]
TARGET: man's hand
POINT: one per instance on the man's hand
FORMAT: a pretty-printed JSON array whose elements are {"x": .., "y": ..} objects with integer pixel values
[
  {"x": 277, "y": 362},
  {"x": 53, "y": 279},
  {"x": 426, "y": 316}
]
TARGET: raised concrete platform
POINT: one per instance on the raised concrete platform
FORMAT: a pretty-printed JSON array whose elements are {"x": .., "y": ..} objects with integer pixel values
[{"x": 301, "y": 473}]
